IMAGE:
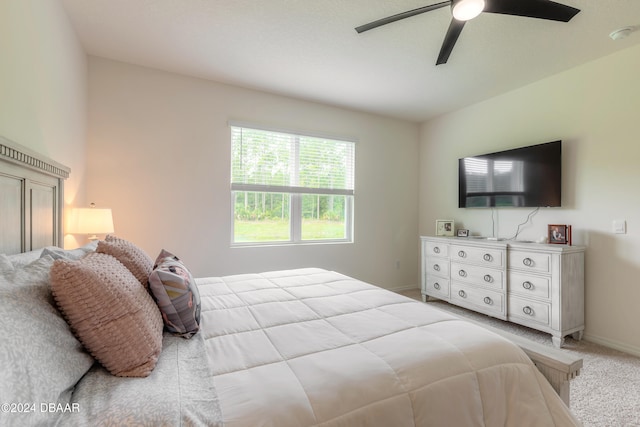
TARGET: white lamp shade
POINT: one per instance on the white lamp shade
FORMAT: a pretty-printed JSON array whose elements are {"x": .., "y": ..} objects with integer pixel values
[
  {"x": 90, "y": 221},
  {"x": 464, "y": 10}
]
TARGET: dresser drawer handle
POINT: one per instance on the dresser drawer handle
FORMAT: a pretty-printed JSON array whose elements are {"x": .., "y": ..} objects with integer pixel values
[
  {"x": 462, "y": 254},
  {"x": 488, "y": 257},
  {"x": 462, "y": 273},
  {"x": 436, "y": 286},
  {"x": 463, "y": 294},
  {"x": 488, "y": 278},
  {"x": 488, "y": 301},
  {"x": 528, "y": 262},
  {"x": 528, "y": 310},
  {"x": 436, "y": 250},
  {"x": 436, "y": 267},
  {"x": 527, "y": 285}
]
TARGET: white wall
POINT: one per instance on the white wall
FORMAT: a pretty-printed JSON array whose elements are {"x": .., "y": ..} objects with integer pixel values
[
  {"x": 159, "y": 154},
  {"x": 594, "y": 109},
  {"x": 43, "y": 86}
]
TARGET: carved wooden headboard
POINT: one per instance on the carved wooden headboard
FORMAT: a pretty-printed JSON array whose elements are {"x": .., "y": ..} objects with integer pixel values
[{"x": 31, "y": 199}]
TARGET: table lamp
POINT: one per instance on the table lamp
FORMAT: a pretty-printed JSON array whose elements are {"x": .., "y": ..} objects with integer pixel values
[{"x": 90, "y": 221}]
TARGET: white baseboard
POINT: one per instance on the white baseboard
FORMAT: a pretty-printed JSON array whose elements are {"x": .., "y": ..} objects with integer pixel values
[{"x": 635, "y": 351}]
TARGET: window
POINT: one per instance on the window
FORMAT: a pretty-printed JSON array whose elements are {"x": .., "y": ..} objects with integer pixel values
[{"x": 290, "y": 188}]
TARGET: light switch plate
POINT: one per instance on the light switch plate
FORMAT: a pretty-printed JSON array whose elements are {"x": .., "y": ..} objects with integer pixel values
[{"x": 619, "y": 226}]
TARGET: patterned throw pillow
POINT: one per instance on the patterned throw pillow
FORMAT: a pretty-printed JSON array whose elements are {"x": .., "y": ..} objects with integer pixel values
[
  {"x": 113, "y": 316},
  {"x": 177, "y": 295},
  {"x": 134, "y": 258}
]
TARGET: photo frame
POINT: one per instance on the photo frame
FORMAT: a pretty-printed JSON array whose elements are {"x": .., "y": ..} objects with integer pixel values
[
  {"x": 559, "y": 234},
  {"x": 444, "y": 227},
  {"x": 462, "y": 232}
]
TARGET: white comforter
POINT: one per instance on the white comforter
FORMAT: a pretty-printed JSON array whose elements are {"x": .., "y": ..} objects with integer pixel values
[{"x": 313, "y": 347}]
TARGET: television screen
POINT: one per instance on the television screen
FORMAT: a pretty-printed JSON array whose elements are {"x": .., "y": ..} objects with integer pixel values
[{"x": 522, "y": 177}]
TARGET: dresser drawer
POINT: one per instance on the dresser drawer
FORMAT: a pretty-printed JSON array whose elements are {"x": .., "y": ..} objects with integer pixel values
[
  {"x": 528, "y": 285},
  {"x": 484, "y": 300},
  {"x": 481, "y": 276},
  {"x": 436, "y": 249},
  {"x": 482, "y": 256},
  {"x": 437, "y": 287},
  {"x": 437, "y": 266},
  {"x": 529, "y": 312},
  {"x": 530, "y": 261}
]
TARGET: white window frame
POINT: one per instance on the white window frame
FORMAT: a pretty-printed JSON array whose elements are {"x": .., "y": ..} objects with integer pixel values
[{"x": 296, "y": 193}]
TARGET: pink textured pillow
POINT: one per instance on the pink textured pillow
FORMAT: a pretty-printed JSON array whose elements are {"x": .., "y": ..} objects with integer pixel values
[
  {"x": 134, "y": 258},
  {"x": 113, "y": 316}
]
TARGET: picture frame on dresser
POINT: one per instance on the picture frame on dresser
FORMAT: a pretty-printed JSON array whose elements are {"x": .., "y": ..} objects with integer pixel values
[
  {"x": 444, "y": 227},
  {"x": 462, "y": 232},
  {"x": 558, "y": 234}
]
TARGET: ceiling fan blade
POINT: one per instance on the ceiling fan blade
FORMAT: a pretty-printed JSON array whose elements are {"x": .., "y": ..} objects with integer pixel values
[
  {"x": 399, "y": 16},
  {"x": 542, "y": 9},
  {"x": 455, "y": 28}
]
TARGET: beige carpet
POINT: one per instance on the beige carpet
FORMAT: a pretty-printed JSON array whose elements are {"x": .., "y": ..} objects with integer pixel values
[{"x": 607, "y": 391}]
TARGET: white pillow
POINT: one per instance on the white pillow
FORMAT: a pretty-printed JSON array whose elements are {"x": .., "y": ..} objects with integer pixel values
[
  {"x": 24, "y": 258},
  {"x": 5, "y": 264},
  {"x": 72, "y": 254},
  {"x": 40, "y": 357}
]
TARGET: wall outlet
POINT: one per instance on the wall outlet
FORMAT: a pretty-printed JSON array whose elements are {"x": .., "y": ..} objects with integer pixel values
[{"x": 619, "y": 226}]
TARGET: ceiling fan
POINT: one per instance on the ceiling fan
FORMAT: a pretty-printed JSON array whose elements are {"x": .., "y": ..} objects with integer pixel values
[{"x": 464, "y": 10}]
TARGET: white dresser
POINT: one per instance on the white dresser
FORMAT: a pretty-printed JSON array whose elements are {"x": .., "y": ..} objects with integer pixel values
[{"x": 536, "y": 285}]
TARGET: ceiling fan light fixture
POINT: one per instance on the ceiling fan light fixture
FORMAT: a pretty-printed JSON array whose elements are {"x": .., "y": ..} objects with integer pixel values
[
  {"x": 625, "y": 32},
  {"x": 464, "y": 10}
]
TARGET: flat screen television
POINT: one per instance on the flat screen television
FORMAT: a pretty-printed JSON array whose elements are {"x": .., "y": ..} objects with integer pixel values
[{"x": 521, "y": 177}]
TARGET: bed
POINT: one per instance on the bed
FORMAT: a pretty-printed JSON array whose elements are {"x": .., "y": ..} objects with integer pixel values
[{"x": 284, "y": 348}]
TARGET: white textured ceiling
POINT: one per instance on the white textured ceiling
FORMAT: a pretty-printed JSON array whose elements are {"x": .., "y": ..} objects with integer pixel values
[{"x": 309, "y": 49}]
